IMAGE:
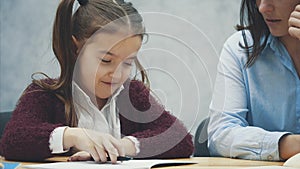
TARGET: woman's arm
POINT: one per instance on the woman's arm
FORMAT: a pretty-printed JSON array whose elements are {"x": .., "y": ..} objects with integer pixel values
[{"x": 229, "y": 132}]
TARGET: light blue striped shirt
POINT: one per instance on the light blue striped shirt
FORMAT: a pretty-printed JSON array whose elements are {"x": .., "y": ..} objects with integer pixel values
[{"x": 252, "y": 108}]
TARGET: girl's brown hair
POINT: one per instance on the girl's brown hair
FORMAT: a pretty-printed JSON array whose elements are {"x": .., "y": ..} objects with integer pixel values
[
  {"x": 88, "y": 18},
  {"x": 252, "y": 20}
]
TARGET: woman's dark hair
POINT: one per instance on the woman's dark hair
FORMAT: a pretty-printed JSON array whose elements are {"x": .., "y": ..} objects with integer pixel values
[
  {"x": 88, "y": 18},
  {"x": 252, "y": 20}
]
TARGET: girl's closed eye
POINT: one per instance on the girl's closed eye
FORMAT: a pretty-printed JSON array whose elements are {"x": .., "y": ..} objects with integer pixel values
[
  {"x": 105, "y": 60},
  {"x": 104, "y": 57},
  {"x": 128, "y": 62}
]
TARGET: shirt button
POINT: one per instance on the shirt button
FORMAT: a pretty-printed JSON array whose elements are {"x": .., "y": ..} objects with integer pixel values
[{"x": 270, "y": 157}]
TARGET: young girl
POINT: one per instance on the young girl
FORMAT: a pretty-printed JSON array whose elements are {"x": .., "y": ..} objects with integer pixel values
[
  {"x": 93, "y": 107},
  {"x": 255, "y": 110}
]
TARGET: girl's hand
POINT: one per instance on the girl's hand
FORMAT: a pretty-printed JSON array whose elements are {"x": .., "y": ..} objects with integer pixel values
[
  {"x": 294, "y": 23},
  {"x": 85, "y": 156},
  {"x": 98, "y": 145},
  {"x": 129, "y": 147},
  {"x": 80, "y": 156},
  {"x": 1, "y": 159}
]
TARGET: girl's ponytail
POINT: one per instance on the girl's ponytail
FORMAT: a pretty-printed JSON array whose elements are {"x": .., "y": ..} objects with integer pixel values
[
  {"x": 62, "y": 44},
  {"x": 64, "y": 49}
]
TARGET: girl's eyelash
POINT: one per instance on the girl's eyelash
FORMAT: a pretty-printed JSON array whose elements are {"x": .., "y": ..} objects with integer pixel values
[
  {"x": 128, "y": 64},
  {"x": 105, "y": 61}
]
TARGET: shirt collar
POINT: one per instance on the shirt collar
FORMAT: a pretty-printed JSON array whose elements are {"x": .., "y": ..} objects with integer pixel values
[
  {"x": 279, "y": 49},
  {"x": 80, "y": 97},
  {"x": 273, "y": 42}
]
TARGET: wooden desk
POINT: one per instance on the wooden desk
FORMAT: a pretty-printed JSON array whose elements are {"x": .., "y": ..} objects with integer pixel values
[
  {"x": 202, "y": 162},
  {"x": 221, "y": 163}
]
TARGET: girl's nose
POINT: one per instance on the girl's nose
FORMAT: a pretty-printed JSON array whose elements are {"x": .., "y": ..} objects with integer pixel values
[{"x": 116, "y": 73}]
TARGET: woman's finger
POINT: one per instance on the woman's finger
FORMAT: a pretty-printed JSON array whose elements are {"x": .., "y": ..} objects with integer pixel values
[
  {"x": 297, "y": 8},
  {"x": 294, "y": 22},
  {"x": 295, "y": 32}
]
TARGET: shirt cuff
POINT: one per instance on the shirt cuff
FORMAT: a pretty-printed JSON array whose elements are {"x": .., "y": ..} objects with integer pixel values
[
  {"x": 56, "y": 140},
  {"x": 136, "y": 143},
  {"x": 270, "y": 150}
]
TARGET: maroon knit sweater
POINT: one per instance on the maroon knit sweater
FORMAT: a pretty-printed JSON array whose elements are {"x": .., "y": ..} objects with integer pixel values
[{"x": 39, "y": 112}]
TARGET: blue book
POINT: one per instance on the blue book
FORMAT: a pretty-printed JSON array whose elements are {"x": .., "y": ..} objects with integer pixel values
[{"x": 12, "y": 165}]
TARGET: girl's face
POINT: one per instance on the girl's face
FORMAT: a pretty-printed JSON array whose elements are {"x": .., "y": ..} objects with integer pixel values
[
  {"x": 105, "y": 63},
  {"x": 276, "y": 14}
]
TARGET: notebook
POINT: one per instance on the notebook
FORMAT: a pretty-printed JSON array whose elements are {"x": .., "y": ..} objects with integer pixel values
[{"x": 131, "y": 164}]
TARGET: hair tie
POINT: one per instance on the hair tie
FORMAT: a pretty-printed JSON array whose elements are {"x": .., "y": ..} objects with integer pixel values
[{"x": 83, "y": 2}]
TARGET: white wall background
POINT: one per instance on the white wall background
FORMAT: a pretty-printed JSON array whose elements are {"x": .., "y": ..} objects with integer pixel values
[{"x": 185, "y": 39}]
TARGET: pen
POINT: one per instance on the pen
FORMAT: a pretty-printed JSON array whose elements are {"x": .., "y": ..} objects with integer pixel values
[{"x": 121, "y": 158}]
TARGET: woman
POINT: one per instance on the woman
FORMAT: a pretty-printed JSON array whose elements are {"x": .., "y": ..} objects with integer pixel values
[{"x": 255, "y": 112}]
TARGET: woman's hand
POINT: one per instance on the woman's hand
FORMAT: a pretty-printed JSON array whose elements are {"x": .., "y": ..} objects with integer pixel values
[
  {"x": 294, "y": 23},
  {"x": 289, "y": 145},
  {"x": 98, "y": 145}
]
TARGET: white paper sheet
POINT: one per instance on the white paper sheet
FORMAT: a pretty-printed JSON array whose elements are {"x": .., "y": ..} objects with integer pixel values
[
  {"x": 291, "y": 163},
  {"x": 270, "y": 167},
  {"x": 131, "y": 164}
]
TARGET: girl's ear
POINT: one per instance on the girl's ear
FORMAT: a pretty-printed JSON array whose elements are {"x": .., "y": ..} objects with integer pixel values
[{"x": 77, "y": 44}]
